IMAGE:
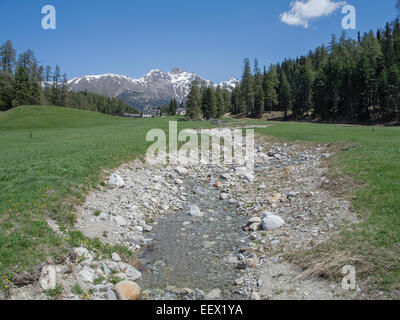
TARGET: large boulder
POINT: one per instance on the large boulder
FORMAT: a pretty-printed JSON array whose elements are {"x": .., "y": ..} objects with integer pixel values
[
  {"x": 271, "y": 222},
  {"x": 127, "y": 290}
]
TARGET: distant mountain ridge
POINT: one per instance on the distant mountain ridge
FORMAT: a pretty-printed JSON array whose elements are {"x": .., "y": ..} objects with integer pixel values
[{"x": 155, "y": 89}]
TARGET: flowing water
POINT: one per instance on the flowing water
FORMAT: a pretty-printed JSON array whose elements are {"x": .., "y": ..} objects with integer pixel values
[{"x": 190, "y": 252}]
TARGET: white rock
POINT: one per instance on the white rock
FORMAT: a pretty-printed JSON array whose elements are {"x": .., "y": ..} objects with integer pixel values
[
  {"x": 82, "y": 252},
  {"x": 226, "y": 176},
  {"x": 267, "y": 214},
  {"x": 86, "y": 275},
  {"x": 182, "y": 171},
  {"x": 115, "y": 256},
  {"x": 241, "y": 171},
  {"x": 214, "y": 294},
  {"x": 249, "y": 177},
  {"x": 224, "y": 196},
  {"x": 178, "y": 181},
  {"x": 110, "y": 295},
  {"x": 254, "y": 226},
  {"x": 194, "y": 211},
  {"x": 121, "y": 221},
  {"x": 272, "y": 222},
  {"x": 132, "y": 274},
  {"x": 48, "y": 278},
  {"x": 254, "y": 220},
  {"x": 115, "y": 181}
]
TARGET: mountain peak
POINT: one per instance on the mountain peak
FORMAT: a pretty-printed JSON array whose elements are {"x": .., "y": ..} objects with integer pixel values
[
  {"x": 156, "y": 88},
  {"x": 177, "y": 70}
]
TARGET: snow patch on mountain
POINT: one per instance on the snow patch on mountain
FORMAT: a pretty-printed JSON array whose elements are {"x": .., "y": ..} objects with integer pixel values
[{"x": 154, "y": 89}]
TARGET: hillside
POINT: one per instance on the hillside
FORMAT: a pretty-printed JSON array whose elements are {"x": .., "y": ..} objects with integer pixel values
[{"x": 155, "y": 89}]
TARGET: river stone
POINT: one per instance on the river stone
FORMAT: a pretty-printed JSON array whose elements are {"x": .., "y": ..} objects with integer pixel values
[
  {"x": 115, "y": 256},
  {"x": 275, "y": 198},
  {"x": 226, "y": 176},
  {"x": 115, "y": 181},
  {"x": 214, "y": 294},
  {"x": 224, "y": 196},
  {"x": 182, "y": 171},
  {"x": 121, "y": 221},
  {"x": 194, "y": 211},
  {"x": 249, "y": 177},
  {"x": 252, "y": 262},
  {"x": 48, "y": 278},
  {"x": 110, "y": 295},
  {"x": 86, "y": 275},
  {"x": 82, "y": 252},
  {"x": 272, "y": 222},
  {"x": 254, "y": 220},
  {"x": 127, "y": 290},
  {"x": 254, "y": 226},
  {"x": 132, "y": 274}
]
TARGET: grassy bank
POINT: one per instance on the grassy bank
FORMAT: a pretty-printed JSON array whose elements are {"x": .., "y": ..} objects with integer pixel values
[
  {"x": 45, "y": 176},
  {"x": 373, "y": 163}
]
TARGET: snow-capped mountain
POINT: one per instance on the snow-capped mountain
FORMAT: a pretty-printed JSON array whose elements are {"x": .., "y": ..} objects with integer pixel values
[{"x": 155, "y": 89}]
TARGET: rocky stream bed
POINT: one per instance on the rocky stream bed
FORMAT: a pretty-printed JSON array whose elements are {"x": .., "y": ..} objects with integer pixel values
[{"x": 205, "y": 232}]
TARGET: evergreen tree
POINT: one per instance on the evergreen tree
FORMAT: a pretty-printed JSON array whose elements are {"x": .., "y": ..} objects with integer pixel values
[
  {"x": 284, "y": 94},
  {"x": 7, "y": 57},
  {"x": 220, "y": 103},
  {"x": 208, "y": 103},
  {"x": 6, "y": 90},
  {"x": 22, "y": 89},
  {"x": 172, "y": 107},
  {"x": 246, "y": 97},
  {"x": 193, "y": 105},
  {"x": 303, "y": 91},
  {"x": 270, "y": 87},
  {"x": 259, "y": 102}
]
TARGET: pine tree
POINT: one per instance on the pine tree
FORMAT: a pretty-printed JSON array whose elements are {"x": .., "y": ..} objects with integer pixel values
[
  {"x": 246, "y": 97},
  {"x": 6, "y": 90},
  {"x": 259, "y": 102},
  {"x": 7, "y": 57},
  {"x": 270, "y": 87},
  {"x": 193, "y": 105},
  {"x": 303, "y": 91},
  {"x": 22, "y": 90},
  {"x": 209, "y": 103},
  {"x": 284, "y": 94},
  {"x": 220, "y": 103},
  {"x": 172, "y": 107}
]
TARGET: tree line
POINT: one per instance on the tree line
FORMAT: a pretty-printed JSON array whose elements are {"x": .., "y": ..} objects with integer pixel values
[
  {"x": 207, "y": 102},
  {"x": 350, "y": 80},
  {"x": 24, "y": 82}
]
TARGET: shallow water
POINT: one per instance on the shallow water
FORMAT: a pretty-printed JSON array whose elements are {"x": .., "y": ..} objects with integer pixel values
[{"x": 194, "y": 256}]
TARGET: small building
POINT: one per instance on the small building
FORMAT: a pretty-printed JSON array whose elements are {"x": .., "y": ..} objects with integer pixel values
[
  {"x": 181, "y": 111},
  {"x": 132, "y": 115},
  {"x": 150, "y": 112}
]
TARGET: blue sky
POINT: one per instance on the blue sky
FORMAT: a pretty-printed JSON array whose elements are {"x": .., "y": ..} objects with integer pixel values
[{"x": 208, "y": 37}]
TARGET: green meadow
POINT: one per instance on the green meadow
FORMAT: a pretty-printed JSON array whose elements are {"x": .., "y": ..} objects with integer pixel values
[{"x": 44, "y": 177}]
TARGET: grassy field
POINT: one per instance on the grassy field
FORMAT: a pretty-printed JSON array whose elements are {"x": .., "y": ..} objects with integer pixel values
[
  {"x": 45, "y": 176},
  {"x": 373, "y": 163}
]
